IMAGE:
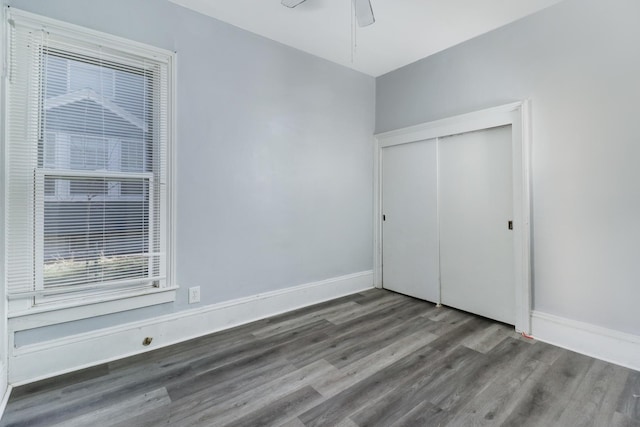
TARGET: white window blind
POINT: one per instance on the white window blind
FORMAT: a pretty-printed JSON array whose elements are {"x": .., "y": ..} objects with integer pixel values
[{"x": 88, "y": 129}]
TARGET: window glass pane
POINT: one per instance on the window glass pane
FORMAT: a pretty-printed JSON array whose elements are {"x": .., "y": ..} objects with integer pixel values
[
  {"x": 96, "y": 118},
  {"x": 56, "y": 81},
  {"x": 50, "y": 151},
  {"x": 132, "y": 159},
  {"x": 88, "y": 187},
  {"x": 132, "y": 188},
  {"x": 88, "y": 153},
  {"x": 95, "y": 238},
  {"x": 90, "y": 76},
  {"x": 90, "y": 98}
]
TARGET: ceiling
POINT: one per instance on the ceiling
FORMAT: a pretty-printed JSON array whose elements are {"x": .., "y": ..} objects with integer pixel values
[{"x": 405, "y": 30}]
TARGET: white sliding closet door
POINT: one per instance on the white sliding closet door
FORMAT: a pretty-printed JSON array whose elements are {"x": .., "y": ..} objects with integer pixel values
[
  {"x": 410, "y": 225},
  {"x": 476, "y": 244}
]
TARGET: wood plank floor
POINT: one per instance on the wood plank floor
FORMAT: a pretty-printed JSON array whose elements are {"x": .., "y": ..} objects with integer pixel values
[{"x": 370, "y": 359}]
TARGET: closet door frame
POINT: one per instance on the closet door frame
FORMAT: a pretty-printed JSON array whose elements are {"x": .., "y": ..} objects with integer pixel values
[{"x": 517, "y": 115}]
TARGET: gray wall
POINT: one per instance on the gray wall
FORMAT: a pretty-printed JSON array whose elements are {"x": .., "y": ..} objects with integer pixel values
[
  {"x": 579, "y": 63},
  {"x": 274, "y": 159}
]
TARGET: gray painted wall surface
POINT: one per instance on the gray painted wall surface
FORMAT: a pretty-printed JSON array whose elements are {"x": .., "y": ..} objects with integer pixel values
[
  {"x": 579, "y": 63},
  {"x": 274, "y": 159}
]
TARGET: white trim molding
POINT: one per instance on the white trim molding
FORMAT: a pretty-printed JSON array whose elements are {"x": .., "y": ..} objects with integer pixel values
[
  {"x": 5, "y": 389},
  {"x": 34, "y": 362},
  {"x": 517, "y": 115},
  {"x": 44, "y": 316},
  {"x": 602, "y": 343},
  {"x": 5, "y": 400}
]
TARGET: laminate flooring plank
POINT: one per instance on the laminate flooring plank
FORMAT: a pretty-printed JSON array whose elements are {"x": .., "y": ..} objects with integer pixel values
[
  {"x": 257, "y": 347},
  {"x": 294, "y": 422},
  {"x": 447, "y": 314},
  {"x": 621, "y": 420},
  {"x": 367, "y": 310},
  {"x": 378, "y": 340},
  {"x": 587, "y": 402},
  {"x": 66, "y": 391},
  {"x": 546, "y": 401},
  {"x": 59, "y": 408},
  {"x": 462, "y": 331},
  {"x": 385, "y": 411},
  {"x": 258, "y": 360},
  {"x": 156, "y": 417},
  {"x": 154, "y": 375},
  {"x": 546, "y": 353},
  {"x": 229, "y": 379},
  {"x": 425, "y": 414},
  {"x": 320, "y": 306},
  {"x": 349, "y": 401},
  {"x": 219, "y": 357},
  {"x": 453, "y": 392},
  {"x": 370, "y": 295},
  {"x": 495, "y": 403},
  {"x": 358, "y": 370},
  {"x": 445, "y": 326},
  {"x": 137, "y": 370},
  {"x": 34, "y": 389},
  {"x": 213, "y": 400},
  {"x": 393, "y": 389},
  {"x": 613, "y": 393},
  {"x": 216, "y": 405},
  {"x": 453, "y": 382},
  {"x": 629, "y": 403},
  {"x": 311, "y": 317},
  {"x": 346, "y": 423},
  {"x": 454, "y": 396},
  {"x": 472, "y": 379},
  {"x": 278, "y": 411},
  {"x": 225, "y": 410},
  {"x": 111, "y": 415},
  {"x": 351, "y": 333},
  {"x": 487, "y": 339}
]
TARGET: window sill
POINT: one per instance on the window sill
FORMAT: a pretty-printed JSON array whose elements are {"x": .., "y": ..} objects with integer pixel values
[{"x": 39, "y": 316}]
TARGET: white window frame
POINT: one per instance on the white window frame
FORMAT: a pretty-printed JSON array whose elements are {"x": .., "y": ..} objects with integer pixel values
[{"x": 25, "y": 313}]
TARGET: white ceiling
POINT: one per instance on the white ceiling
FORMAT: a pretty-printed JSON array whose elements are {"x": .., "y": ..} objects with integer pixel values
[{"x": 405, "y": 30}]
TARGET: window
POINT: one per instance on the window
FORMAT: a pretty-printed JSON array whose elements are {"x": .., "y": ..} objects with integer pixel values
[{"x": 88, "y": 201}]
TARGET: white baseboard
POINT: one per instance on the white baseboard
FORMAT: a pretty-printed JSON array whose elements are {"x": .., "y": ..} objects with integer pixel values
[
  {"x": 606, "y": 344},
  {"x": 5, "y": 388},
  {"x": 5, "y": 400},
  {"x": 46, "y": 359}
]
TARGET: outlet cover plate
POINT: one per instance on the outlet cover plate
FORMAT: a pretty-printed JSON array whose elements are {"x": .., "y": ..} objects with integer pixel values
[{"x": 194, "y": 294}]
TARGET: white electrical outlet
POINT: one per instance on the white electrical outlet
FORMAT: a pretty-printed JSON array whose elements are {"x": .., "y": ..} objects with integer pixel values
[{"x": 194, "y": 295}]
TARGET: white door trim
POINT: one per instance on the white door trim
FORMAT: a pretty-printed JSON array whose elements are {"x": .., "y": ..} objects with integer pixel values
[
  {"x": 5, "y": 389},
  {"x": 518, "y": 116}
]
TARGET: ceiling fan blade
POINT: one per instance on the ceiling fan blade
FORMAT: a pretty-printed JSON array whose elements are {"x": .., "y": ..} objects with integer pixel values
[
  {"x": 292, "y": 3},
  {"x": 364, "y": 12}
]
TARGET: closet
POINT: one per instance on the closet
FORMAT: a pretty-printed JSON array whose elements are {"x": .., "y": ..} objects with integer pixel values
[{"x": 447, "y": 225}]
